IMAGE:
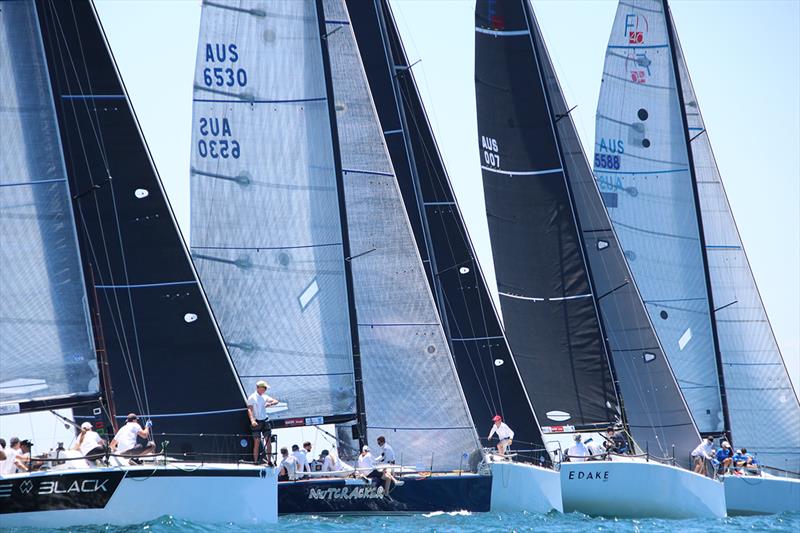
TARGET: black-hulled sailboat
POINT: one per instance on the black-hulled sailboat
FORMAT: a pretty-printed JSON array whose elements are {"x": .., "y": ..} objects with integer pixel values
[
  {"x": 303, "y": 243},
  {"x": 571, "y": 310},
  {"x": 102, "y": 310},
  {"x": 486, "y": 368},
  {"x": 661, "y": 186}
]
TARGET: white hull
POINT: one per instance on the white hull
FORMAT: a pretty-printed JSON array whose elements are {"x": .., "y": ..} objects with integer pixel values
[
  {"x": 524, "y": 487},
  {"x": 208, "y": 493},
  {"x": 750, "y": 495},
  {"x": 639, "y": 489}
]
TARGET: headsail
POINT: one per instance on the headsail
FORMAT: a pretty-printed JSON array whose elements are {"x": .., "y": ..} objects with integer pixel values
[
  {"x": 404, "y": 352},
  {"x": 166, "y": 356},
  {"x": 47, "y": 353},
  {"x": 643, "y": 170},
  {"x": 486, "y": 369},
  {"x": 265, "y": 224}
]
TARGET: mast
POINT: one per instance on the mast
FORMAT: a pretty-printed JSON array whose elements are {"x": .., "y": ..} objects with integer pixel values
[
  {"x": 703, "y": 250},
  {"x": 102, "y": 354},
  {"x": 361, "y": 413}
]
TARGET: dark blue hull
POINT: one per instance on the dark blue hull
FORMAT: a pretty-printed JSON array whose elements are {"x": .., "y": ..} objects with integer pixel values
[{"x": 419, "y": 494}]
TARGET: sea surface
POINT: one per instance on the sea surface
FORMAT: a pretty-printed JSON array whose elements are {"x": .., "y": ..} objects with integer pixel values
[{"x": 460, "y": 522}]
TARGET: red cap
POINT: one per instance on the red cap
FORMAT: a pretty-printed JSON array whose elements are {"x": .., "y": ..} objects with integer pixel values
[{"x": 496, "y": 418}]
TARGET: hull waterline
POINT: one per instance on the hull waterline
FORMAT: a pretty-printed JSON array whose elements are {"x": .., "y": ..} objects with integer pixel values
[
  {"x": 524, "y": 487},
  {"x": 753, "y": 495},
  {"x": 132, "y": 495},
  {"x": 639, "y": 489},
  {"x": 418, "y": 494}
]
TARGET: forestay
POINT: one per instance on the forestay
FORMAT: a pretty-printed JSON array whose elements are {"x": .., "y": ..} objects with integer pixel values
[
  {"x": 484, "y": 362},
  {"x": 551, "y": 320},
  {"x": 411, "y": 390},
  {"x": 656, "y": 414},
  {"x": 642, "y": 169},
  {"x": 265, "y": 224},
  {"x": 46, "y": 344},
  {"x": 763, "y": 406}
]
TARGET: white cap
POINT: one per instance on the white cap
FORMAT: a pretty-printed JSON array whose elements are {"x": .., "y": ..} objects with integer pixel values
[
  {"x": 365, "y": 449},
  {"x": 86, "y": 425}
]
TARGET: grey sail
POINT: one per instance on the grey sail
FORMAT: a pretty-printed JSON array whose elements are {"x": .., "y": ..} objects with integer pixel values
[
  {"x": 46, "y": 344},
  {"x": 762, "y": 404},
  {"x": 265, "y": 226},
  {"x": 411, "y": 390},
  {"x": 642, "y": 168}
]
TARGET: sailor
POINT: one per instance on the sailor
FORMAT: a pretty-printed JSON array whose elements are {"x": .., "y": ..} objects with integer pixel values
[
  {"x": 89, "y": 443},
  {"x": 597, "y": 451},
  {"x": 313, "y": 463},
  {"x": 9, "y": 465},
  {"x": 504, "y": 433},
  {"x": 703, "y": 453},
  {"x": 615, "y": 442},
  {"x": 124, "y": 442},
  {"x": 745, "y": 459},
  {"x": 725, "y": 456},
  {"x": 387, "y": 452},
  {"x": 288, "y": 471},
  {"x": 23, "y": 458},
  {"x": 257, "y": 404},
  {"x": 578, "y": 451},
  {"x": 2, "y": 451},
  {"x": 330, "y": 463},
  {"x": 365, "y": 460},
  {"x": 302, "y": 461}
]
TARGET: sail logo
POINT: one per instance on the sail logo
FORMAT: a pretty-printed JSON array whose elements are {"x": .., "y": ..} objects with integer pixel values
[
  {"x": 601, "y": 475},
  {"x": 491, "y": 155},
  {"x": 638, "y": 66},
  {"x": 344, "y": 493},
  {"x": 84, "y": 486},
  {"x": 636, "y": 27}
]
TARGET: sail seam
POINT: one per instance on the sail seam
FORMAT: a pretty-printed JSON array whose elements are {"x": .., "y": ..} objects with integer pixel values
[
  {"x": 522, "y": 172},
  {"x": 502, "y": 33}
]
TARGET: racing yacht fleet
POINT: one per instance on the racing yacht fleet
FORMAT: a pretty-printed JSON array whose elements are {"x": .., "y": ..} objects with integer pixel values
[{"x": 325, "y": 231}]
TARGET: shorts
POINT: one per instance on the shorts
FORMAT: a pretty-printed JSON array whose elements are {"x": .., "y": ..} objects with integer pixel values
[
  {"x": 263, "y": 427},
  {"x": 505, "y": 441}
]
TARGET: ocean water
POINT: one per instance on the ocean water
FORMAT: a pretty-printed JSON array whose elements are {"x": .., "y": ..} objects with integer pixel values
[{"x": 460, "y": 522}]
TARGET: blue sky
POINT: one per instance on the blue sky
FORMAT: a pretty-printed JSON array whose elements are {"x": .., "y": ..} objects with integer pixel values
[{"x": 744, "y": 58}]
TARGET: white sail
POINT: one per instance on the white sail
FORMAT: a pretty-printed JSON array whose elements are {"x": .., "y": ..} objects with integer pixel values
[
  {"x": 411, "y": 390},
  {"x": 763, "y": 406},
  {"x": 641, "y": 165},
  {"x": 46, "y": 343},
  {"x": 265, "y": 224}
]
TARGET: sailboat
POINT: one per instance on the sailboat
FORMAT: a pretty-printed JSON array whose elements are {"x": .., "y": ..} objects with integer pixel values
[
  {"x": 653, "y": 155},
  {"x": 572, "y": 311},
  {"x": 102, "y": 311},
  {"x": 486, "y": 369},
  {"x": 301, "y": 238}
]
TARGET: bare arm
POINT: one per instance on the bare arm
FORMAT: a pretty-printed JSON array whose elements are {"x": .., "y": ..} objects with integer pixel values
[{"x": 251, "y": 415}]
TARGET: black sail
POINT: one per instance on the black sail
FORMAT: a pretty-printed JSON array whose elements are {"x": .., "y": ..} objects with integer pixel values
[
  {"x": 657, "y": 416},
  {"x": 546, "y": 295},
  {"x": 167, "y": 359},
  {"x": 485, "y": 366}
]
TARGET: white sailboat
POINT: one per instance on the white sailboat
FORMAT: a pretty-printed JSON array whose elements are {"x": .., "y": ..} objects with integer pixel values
[
  {"x": 100, "y": 304},
  {"x": 653, "y": 155}
]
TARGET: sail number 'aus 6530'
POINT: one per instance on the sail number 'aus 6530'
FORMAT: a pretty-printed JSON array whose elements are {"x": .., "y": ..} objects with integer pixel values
[
  {"x": 215, "y": 147},
  {"x": 491, "y": 157},
  {"x": 223, "y": 76}
]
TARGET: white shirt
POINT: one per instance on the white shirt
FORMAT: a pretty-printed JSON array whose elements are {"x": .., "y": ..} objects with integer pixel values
[
  {"x": 703, "y": 449},
  {"x": 366, "y": 461},
  {"x": 577, "y": 452},
  {"x": 289, "y": 463},
  {"x": 259, "y": 404},
  {"x": 302, "y": 461},
  {"x": 387, "y": 453},
  {"x": 91, "y": 440},
  {"x": 503, "y": 431},
  {"x": 329, "y": 465},
  {"x": 8, "y": 467},
  {"x": 126, "y": 436}
]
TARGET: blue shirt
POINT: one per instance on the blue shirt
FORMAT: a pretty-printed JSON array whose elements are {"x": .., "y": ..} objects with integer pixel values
[{"x": 723, "y": 453}]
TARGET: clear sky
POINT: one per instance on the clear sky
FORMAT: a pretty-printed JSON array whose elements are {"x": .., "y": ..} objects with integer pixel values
[{"x": 744, "y": 58}]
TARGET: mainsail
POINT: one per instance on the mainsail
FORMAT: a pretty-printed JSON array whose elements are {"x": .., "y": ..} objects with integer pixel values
[
  {"x": 166, "y": 358},
  {"x": 643, "y": 169},
  {"x": 411, "y": 390},
  {"x": 758, "y": 391},
  {"x": 486, "y": 369},
  {"x": 265, "y": 215},
  {"x": 46, "y": 345},
  {"x": 563, "y": 186}
]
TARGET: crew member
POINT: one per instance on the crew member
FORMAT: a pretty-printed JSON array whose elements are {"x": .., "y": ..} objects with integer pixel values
[
  {"x": 9, "y": 466},
  {"x": 288, "y": 466},
  {"x": 89, "y": 443},
  {"x": 725, "y": 456},
  {"x": 703, "y": 453},
  {"x": 578, "y": 452},
  {"x": 302, "y": 461},
  {"x": 387, "y": 452},
  {"x": 504, "y": 433},
  {"x": 365, "y": 460},
  {"x": 124, "y": 442},
  {"x": 257, "y": 404}
]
